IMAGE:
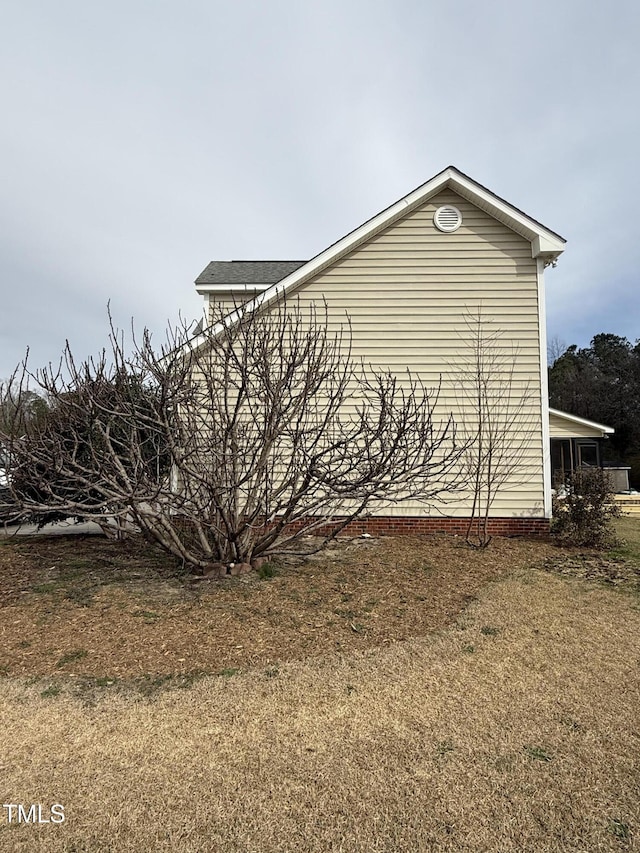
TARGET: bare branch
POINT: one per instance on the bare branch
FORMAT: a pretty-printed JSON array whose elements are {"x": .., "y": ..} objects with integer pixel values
[
  {"x": 496, "y": 419},
  {"x": 266, "y": 432}
]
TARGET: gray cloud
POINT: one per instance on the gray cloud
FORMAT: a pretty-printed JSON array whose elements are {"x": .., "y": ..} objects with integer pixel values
[{"x": 142, "y": 139}]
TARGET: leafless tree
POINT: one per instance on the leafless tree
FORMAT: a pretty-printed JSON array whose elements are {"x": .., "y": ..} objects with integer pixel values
[
  {"x": 495, "y": 419},
  {"x": 555, "y": 348},
  {"x": 32, "y": 408},
  {"x": 236, "y": 444},
  {"x": 92, "y": 443}
]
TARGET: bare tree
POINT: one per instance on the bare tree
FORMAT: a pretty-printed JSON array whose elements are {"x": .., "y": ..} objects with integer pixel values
[
  {"x": 237, "y": 444},
  {"x": 93, "y": 444},
  {"x": 32, "y": 408},
  {"x": 495, "y": 420},
  {"x": 556, "y": 348}
]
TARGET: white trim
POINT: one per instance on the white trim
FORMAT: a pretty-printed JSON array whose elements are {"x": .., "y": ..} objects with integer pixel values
[
  {"x": 502, "y": 210},
  {"x": 607, "y": 430},
  {"x": 544, "y": 390},
  {"x": 542, "y": 246},
  {"x": 449, "y": 177},
  {"x": 230, "y": 288},
  {"x": 231, "y": 319}
]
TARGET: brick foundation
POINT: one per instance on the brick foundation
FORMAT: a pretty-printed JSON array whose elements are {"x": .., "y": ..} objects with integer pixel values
[{"x": 386, "y": 525}]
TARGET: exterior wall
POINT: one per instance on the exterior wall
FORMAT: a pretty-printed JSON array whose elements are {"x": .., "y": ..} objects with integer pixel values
[
  {"x": 227, "y": 302},
  {"x": 406, "y": 291},
  {"x": 563, "y": 428},
  {"x": 381, "y": 525}
]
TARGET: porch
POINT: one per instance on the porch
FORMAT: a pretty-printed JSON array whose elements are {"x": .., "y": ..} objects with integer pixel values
[{"x": 578, "y": 443}]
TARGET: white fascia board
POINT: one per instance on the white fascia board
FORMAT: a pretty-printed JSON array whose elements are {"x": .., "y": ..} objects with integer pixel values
[
  {"x": 230, "y": 288},
  {"x": 607, "y": 430},
  {"x": 543, "y": 241},
  {"x": 449, "y": 177},
  {"x": 346, "y": 243},
  {"x": 232, "y": 318},
  {"x": 354, "y": 238},
  {"x": 546, "y": 247}
]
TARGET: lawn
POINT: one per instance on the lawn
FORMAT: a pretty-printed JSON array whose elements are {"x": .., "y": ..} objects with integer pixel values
[
  {"x": 628, "y": 530},
  {"x": 389, "y": 695}
]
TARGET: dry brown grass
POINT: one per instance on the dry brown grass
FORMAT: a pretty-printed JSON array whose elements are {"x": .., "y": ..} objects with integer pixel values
[
  {"x": 89, "y": 607},
  {"x": 513, "y": 729}
]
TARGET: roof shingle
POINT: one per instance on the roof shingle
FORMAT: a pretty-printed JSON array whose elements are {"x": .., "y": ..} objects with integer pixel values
[{"x": 247, "y": 272}]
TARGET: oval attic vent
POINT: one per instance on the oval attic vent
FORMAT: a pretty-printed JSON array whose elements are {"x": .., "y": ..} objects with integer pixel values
[{"x": 447, "y": 218}]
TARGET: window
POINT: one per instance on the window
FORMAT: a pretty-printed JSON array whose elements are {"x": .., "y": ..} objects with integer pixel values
[{"x": 587, "y": 453}]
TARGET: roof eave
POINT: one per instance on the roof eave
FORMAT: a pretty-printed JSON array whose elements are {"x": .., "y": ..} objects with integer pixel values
[
  {"x": 202, "y": 289},
  {"x": 544, "y": 242},
  {"x": 606, "y": 430}
]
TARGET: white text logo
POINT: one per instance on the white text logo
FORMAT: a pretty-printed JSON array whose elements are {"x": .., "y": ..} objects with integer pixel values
[{"x": 34, "y": 813}]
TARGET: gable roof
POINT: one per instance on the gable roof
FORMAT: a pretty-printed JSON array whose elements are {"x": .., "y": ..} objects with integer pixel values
[
  {"x": 545, "y": 244},
  {"x": 242, "y": 275}
]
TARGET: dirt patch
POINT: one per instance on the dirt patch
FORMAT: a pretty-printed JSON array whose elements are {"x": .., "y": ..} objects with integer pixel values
[
  {"x": 595, "y": 567},
  {"x": 84, "y": 606}
]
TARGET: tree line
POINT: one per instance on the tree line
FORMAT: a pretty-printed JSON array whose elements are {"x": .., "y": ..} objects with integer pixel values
[{"x": 601, "y": 383}]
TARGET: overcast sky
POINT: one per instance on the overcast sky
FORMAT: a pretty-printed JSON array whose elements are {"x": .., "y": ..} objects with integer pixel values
[{"x": 140, "y": 140}]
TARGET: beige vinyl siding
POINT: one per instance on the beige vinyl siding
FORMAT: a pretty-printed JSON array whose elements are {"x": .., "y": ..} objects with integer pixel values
[
  {"x": 560, "y": 427},
  {"x": 227, "y": 302},
  {"x": 406, "y": 291}
]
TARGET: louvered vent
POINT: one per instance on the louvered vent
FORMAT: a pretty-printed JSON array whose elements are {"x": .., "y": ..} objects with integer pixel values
[{"x": 447, "y": 218}]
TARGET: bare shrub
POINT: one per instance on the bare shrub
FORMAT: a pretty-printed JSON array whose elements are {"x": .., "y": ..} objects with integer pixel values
[
  {"x": 235, "y": 444},
  {"x": 582, "y": 514}
]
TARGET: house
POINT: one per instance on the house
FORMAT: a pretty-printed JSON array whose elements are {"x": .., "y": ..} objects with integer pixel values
[
  {"x": 579, "y": 443},
  {"x": 408, "y": 279}
]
